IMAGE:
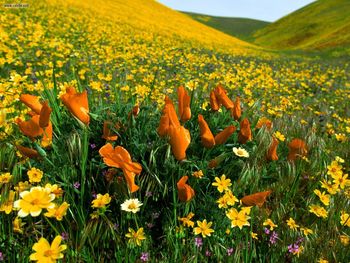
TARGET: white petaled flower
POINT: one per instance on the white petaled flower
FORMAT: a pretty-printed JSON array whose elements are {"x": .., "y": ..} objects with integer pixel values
[
  {"x": 240, "y": 152},
  {"x": 131, "y": 205}
]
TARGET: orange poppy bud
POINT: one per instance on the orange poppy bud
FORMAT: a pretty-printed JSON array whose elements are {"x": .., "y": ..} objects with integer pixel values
[
  {"x": 186, "y": 192},
  {"x": 184, "y": 104},
  {"x": 214, "y": 104},
  {"x": 236, "y": 110},
  {"x": 216, "y": 161},
  {"x": 28, "y": 152},
  {"x": 264, "y": 122},
  {"x": 245, "y": 133},
  {"x": 207, "y": 137},
  {"x": 45, "y": 113},
  {"x": 77, "y": 104},
  {"x": 272, "y": 151},
  {"x": 180, "y": 139},
  {"x": 255, "y": 199},
  {"x": 223, "y": 136},
  {"x": 107, "y": 133},
  {"x": 32, "y": 102},
  {"x": 221, "y": 96},
  {"x": 297, "y": 148},
  {"x": 119, "y": 157}
]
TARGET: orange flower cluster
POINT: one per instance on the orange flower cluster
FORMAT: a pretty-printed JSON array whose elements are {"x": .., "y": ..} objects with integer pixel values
[
  {"x": 207, "y": 138},
  {"x": 39, "y": 124},
  {"x": 179, "y": 136},
  {"x": 297, "y": 148}
]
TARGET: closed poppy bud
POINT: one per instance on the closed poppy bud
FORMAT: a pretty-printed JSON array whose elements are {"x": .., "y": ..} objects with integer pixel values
[
  {"x": 184, "y": 104},
  {"x": 180, "y": 139},
  {"x": 272, "y": 151},
  {"x": 28, "y": 152},
  {"x": 214, "y": 104},
  {"x": 186, "y": 193},
  {"x": 297, "y": 148},
  {"x": 33, "y": 102},
  {"x": 221, "y": 96},
  {"x": 245, "y": 133},
  {"x": 45, "y": 115},
  {"x": 255, "y": 199},
  {"x": 236, "y": 110},
  {"x": 77, "y": 104},
  {"x": 107, "y": 133},
  {"x": 223, "y": 136},
  {"x": 207, "y": 137}
]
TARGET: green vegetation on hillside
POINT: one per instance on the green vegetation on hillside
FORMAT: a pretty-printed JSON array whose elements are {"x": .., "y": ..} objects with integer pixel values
[
  {"x": 324, "y": 24},
  {"x": 243, "y": 28}
]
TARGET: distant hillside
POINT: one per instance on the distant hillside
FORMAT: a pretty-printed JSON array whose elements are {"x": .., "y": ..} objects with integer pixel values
[
  {"x": 242, "y": 28},
  {"x": 319, "y": 25}
]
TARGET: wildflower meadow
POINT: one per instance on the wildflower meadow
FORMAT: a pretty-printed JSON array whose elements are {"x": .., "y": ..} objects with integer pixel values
[{"x": 130, "y": 138}]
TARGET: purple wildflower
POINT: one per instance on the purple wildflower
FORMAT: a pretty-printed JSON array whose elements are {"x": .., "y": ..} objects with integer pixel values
[
  {"x": 293, "y": 248},
  {"x": 149, "y": 194},
  {"x": 267, "y": 231},
  {"x": 144, "y": 256},
  {"x": 93, "y": 146},
  {"x": 76, "y": 185},
  {"x": 149, "y": 225},
  {"x": 207, "y": 253},
  {"x": 1, "y": 256},
  {"x": 198, "y": 242},
  {"x": 273, "y": 238},
  {"x": 64, "y": 235},
  {"x": 229, "y": 251}
]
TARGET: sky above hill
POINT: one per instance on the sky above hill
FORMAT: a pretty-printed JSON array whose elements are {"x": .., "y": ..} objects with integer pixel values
[{"x": 267, "y": 10}]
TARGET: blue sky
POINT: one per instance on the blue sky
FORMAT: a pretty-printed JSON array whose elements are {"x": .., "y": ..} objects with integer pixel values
[{"x": 268, "y": 10}]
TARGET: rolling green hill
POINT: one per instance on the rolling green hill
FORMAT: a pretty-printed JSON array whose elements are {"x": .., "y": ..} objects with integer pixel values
[
  {"x": 324, "y": 24},
  {"x": 243, "y": 28}
]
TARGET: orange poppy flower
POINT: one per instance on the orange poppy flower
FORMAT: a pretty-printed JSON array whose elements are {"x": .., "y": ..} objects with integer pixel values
[
  {"x": 255, "y": 199},
  {"x": 32, "y": 129},
  {"x": 223, "y": 136},
  {"x": 119, "y": 157},
  {"x": 28, "y": 152},
  {"x": 207, "y": 137},
  {"x": 186, "y": 192},
  {"x": 245, "y": 133},
  {"x": 107, "y": 133},
  {"x": 214, "y": 104},
  {"x": 32, "y": 102},
  {"x": 77, "y": 104},
  {"x": 264, "y": 122},
  {"x": 236, "y": 111},
  {"x": 297, "y": 148},
  {"x": 272, "y": 151},
  {"x": 45, "y": 113},
  {"x": 134, "y": 111},
  {"x": 168, "y": 118},
  {"x": 180, "y": 139},
  {"x": 184, "y": 104},
  {"x": 221, "y": 96}
]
